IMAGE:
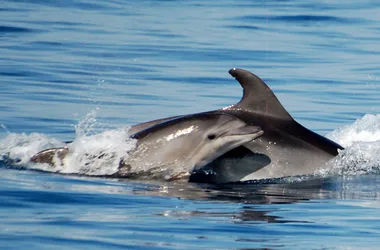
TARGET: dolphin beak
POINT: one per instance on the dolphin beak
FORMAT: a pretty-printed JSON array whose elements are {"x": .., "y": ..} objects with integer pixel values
[
  {"x": 259, "y": 133},
  {"x": 246, "y": 130}
]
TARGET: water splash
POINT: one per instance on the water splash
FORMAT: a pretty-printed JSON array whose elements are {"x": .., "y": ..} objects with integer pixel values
[
  {"x": 90, "y": 153},
  {"x": 5, "y": 128},
  {"x": 87, "y": 125},
  {"x": 98, "y": 154},
  {"x": 366, "y": 129},
  {"x": 19, "y": 148},
  {"x": 362, "y": 148}
]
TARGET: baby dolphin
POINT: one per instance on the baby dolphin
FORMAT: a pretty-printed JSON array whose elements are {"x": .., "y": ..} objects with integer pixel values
[
  {"x": 174, "y": 149},
  {"x": 177, "y": 147}
]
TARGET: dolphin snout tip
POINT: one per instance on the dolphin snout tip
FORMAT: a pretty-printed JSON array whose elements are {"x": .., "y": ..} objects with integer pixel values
[{"x": 260, "y": 133}]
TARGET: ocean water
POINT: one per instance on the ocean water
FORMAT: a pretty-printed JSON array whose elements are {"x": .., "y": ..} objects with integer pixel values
[{"x": 87, "y": 70}]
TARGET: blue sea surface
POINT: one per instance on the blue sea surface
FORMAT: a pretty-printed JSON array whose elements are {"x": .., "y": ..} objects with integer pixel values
[{"x": 77, "y": 68}]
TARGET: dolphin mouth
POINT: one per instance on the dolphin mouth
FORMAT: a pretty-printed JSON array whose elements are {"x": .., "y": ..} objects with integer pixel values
[
  {"x": 256, "y": 134},
  {"x": 248, "y": 130},
  {"x": 259, "y": 133}
]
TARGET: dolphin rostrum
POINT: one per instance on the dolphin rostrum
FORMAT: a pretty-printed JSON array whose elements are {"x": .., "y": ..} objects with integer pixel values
[
  {"x": 174, "y": 149},
  {"x": 286, "y": 149}
]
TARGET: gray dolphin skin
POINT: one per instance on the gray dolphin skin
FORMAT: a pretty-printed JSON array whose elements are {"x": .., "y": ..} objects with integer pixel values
[
  {"x": 174, "y": 149},
  {"x": 286, "y": 148},
  {"x": 178, "y": 147}
]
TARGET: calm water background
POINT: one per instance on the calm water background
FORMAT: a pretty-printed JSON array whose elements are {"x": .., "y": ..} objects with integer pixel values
[{"x": 108, "y": 64}]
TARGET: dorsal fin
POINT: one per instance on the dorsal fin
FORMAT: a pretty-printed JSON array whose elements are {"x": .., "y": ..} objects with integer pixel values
[
  {"x": 260, "y": 106},
  {"x": 257, "y": 96}
]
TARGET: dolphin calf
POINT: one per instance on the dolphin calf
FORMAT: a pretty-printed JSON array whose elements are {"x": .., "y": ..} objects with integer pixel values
[
  {"x": 175, "y": 148},
  {"x": 286, "y": 149}
]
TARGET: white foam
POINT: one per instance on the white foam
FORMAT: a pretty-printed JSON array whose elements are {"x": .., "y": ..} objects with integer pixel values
[
  {"x": 98, "y": 154},
  {"x": 21, "y": 147},
  {"x": 362, "y": 148},
  {"x": 89, "y": 153},
  {"x": 366, "y": 129}
]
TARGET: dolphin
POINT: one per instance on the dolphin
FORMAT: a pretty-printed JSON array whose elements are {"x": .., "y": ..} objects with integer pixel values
[
  {"x": 286, "y": 149},
  {"x": 175, "y": 148}
]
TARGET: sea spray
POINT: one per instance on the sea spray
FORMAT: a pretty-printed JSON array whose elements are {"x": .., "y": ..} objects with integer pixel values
[
  {"x": 90, "y": 153},
  {"x": 362, "y": 148},
  {"x": 21, "y": 147}
]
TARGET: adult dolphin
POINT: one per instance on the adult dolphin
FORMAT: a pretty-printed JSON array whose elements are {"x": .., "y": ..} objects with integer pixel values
[
  {"x": 291, "y": 148},
  {"x": 175, "y": 148}
]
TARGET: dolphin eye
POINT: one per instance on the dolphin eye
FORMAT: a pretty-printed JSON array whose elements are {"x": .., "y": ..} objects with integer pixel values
[{"x": 211, "y": 136}]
